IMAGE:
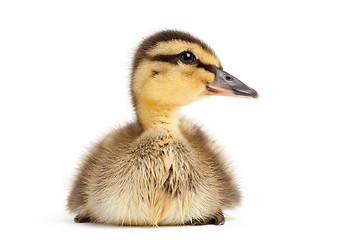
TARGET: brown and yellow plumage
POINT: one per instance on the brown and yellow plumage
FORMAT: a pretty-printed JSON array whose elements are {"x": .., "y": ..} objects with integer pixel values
[{"x": 161, "y": 170}]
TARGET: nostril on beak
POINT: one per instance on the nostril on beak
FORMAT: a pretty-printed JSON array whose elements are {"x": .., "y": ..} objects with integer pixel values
[{"x": 228, "y": 78}]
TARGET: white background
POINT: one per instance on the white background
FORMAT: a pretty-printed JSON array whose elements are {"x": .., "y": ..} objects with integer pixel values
[{"x": 64, "y": 72}]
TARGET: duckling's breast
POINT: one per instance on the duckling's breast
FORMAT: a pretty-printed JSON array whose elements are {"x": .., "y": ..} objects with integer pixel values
[{"x": 158, "y": 179}]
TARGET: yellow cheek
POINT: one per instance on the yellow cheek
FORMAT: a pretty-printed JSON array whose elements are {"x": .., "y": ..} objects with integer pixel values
[
  {"x": 203, "y": 75},
  {"x": 172, "y": 84}
]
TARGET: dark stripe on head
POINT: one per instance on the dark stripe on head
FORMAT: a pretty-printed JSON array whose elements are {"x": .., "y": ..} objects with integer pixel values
[
  {"x": 165, "y": 36},
  {"x": 174, "y": 59},
  {"x": 165, "y": 58},
  {"x": 207, "y": 67}
]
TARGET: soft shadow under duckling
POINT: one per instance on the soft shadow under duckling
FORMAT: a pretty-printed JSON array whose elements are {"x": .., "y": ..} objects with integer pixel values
[{"x": 161, "y": 170}]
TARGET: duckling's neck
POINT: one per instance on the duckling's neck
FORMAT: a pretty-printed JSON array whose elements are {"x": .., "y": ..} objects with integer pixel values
[{"x": 154, "y": 116}]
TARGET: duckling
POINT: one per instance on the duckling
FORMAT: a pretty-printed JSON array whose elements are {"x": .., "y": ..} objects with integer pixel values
[{"x": 161, "y": 169}]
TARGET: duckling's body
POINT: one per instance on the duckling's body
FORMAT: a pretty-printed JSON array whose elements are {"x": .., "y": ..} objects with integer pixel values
[
  {"x": 154, "y": 178},
  {"x": 159, "y": 170}
]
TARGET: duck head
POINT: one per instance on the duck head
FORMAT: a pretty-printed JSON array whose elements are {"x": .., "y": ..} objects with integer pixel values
[{"x": 172, "y": 69}]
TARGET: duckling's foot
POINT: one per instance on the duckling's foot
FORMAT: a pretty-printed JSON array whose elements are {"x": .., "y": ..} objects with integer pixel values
[
  {"x": 218, "y": 219},
  {"x": 82, "y": 219}
]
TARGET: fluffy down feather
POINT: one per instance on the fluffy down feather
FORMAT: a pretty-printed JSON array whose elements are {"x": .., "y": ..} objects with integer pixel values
[{"x": 151, "y": 178}]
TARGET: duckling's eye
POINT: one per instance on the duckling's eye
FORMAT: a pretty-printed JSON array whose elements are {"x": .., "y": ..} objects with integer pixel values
[{"x": 187, "y": 57}]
